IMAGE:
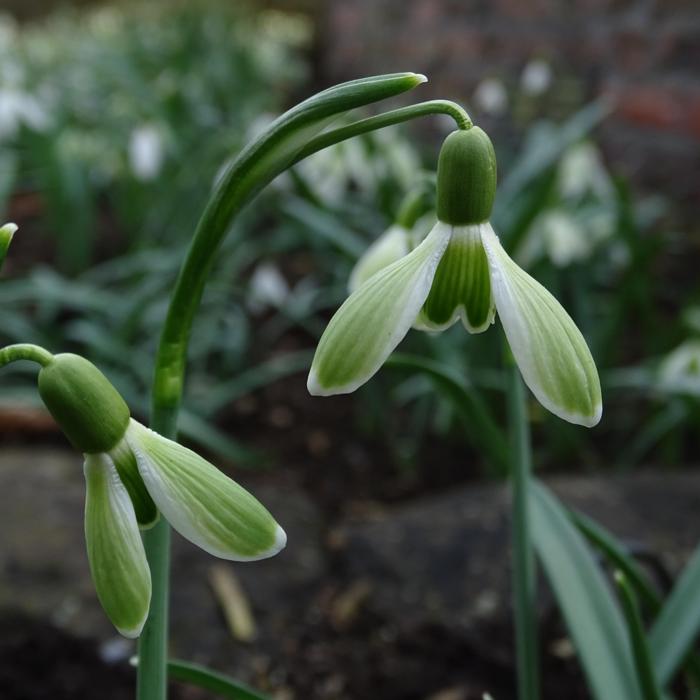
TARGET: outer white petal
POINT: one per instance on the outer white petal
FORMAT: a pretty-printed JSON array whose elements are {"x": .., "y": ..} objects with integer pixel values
[
  {"x": 375, "y": 318},
  {"x": 550, "y": 351},
  {"x": 115, "y": 551},
  {"x": 391, "y": 246},
  {"x": 202, "y": 503}
]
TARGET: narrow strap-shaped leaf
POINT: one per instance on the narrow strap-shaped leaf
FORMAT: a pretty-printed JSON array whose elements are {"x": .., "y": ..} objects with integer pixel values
[
  {"x": 678, "y": 623},
  {"x": 604, "y": 541},
  {"x": 614, "y": 552},
  {"x": 638, "y": 639},
  {"x": 218, "y": 683},
  {"x": 593, "y": 619}
]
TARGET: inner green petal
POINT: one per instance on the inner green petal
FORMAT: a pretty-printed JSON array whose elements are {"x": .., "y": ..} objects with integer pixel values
[{"x": 461, "y": 286}]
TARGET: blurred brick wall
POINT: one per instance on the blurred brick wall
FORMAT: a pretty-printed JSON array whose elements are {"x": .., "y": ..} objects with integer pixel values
[{"x": 644, "y": 53}]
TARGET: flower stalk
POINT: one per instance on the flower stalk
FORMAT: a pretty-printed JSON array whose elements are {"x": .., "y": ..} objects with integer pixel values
[{"x": 523, "y": 567}]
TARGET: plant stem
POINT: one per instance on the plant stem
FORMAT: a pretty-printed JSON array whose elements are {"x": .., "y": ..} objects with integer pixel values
[
  {"x": 25, "y": 351},
  {"x": 287, "y": 140},
  {"x": 524, "y": 594}
]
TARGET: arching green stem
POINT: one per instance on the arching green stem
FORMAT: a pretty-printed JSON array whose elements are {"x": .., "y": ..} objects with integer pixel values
[
  {"x": 295, "y": 135},
  {"x": 380, "y": 121},
  {"x": 25, "y": 351}
]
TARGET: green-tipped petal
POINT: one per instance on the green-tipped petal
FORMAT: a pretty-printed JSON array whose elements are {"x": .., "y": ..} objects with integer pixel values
[
  {"x": 6, "y": 233},
  {"x": 550, "y": 351},
  {"x": 374, "y": 320},
  {"x": 202, "y": 503},
  {"x": 115, "y": 551},
  {"x": 461, "y": 288},
  {"x": 391, "y": 246}
]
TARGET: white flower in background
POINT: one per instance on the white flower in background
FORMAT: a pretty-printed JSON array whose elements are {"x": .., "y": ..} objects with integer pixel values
[
  {"x": 581, "y": 171},
  {"x": 267, "y": 288},
  {"x": 491, "y": 97},
  {"x": 557, "y": 235},
  {"x": 19, "y": 108},
  {"x": 680, "y": 370},
  {"x": 146, "y": 152},
  {"x": 391, "y": 246},
  {"x": 461, "y": 272},
  {"x": 131, "y": 475},
  {"x": 536, "y": 77}
]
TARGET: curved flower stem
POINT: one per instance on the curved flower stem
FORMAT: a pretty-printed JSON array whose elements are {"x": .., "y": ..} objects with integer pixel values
[
  {"x": 25, "y": 351},
  {"x": 282, "y": 145},
  {"x": 524, "y": 594},
  {"x": 379, "y": 121}
]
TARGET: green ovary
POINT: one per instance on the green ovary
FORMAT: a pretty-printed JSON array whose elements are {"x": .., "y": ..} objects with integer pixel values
[{"x": 461, "y": 286}]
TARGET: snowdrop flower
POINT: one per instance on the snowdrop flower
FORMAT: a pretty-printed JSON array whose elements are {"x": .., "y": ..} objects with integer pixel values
[
  {"x": 268, "y": 289},
  {"x": 146, "y": 152},
  {"x": 491, "y": 96},
  {"x": 680, "y": 370},
  {"x": 460, "y": 271},
  {"x": 19, "y": 108},
  {"x": 536, "y": 77},
  {"x": 391, "y": 246},
  {"x": 132, "y": 474}
]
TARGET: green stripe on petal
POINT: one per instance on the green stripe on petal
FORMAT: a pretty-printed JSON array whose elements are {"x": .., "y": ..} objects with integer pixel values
[
  {"x": 125, "y": 462},
  {"x": 550, "y": 351},
  {"x": 202, "y": 503},
  {"x": 115, "y": 551},
  {"x": 391, "y": 246},
  {"x": 461, "y": 287},
  {"x": 374, "y": 319}
]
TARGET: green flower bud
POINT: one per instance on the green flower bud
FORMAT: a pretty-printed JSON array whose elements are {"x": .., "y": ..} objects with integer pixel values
[
  {"x": 466, "y": 178},
  {"x": 83, "y": 402},
  {"x": 6, "y": 233}
]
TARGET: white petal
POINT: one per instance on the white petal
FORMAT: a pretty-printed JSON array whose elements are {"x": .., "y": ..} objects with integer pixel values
[
  {"x": 375, "y": 319},
  {"x": 550, "y": 351},
  {"x": 115, "y": 551},
  {"x": 202, "y": 503},
  {"x": 391, "y": 246}
]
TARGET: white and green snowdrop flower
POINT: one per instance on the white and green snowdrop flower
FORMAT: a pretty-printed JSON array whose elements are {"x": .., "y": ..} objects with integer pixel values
[
  {"x": 133, "y": 474},
  {"x": 460, "y": 271}
]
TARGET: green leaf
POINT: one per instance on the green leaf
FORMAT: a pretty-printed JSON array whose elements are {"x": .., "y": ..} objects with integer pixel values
[
  {"x": 593, "y": 619},
  {"x": 218, "y": 683},
  {"x": 614, "y": 552},
  {"x": 638, "y": 639},
  {"x": 678, "y": 623}
]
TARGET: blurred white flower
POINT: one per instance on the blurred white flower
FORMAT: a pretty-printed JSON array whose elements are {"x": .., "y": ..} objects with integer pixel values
[
  {"x": 267, "y": 289},
  {"x": 146, "y": 152},
  {"x": 680, "y": 370},
  {"x": 555, "y": 234},
  {"x": 491, "y": 96},
  {"x": 18, "y": 108},
  {"x": 581, "y": 171},
  {"x": 536, "y": 77}
]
